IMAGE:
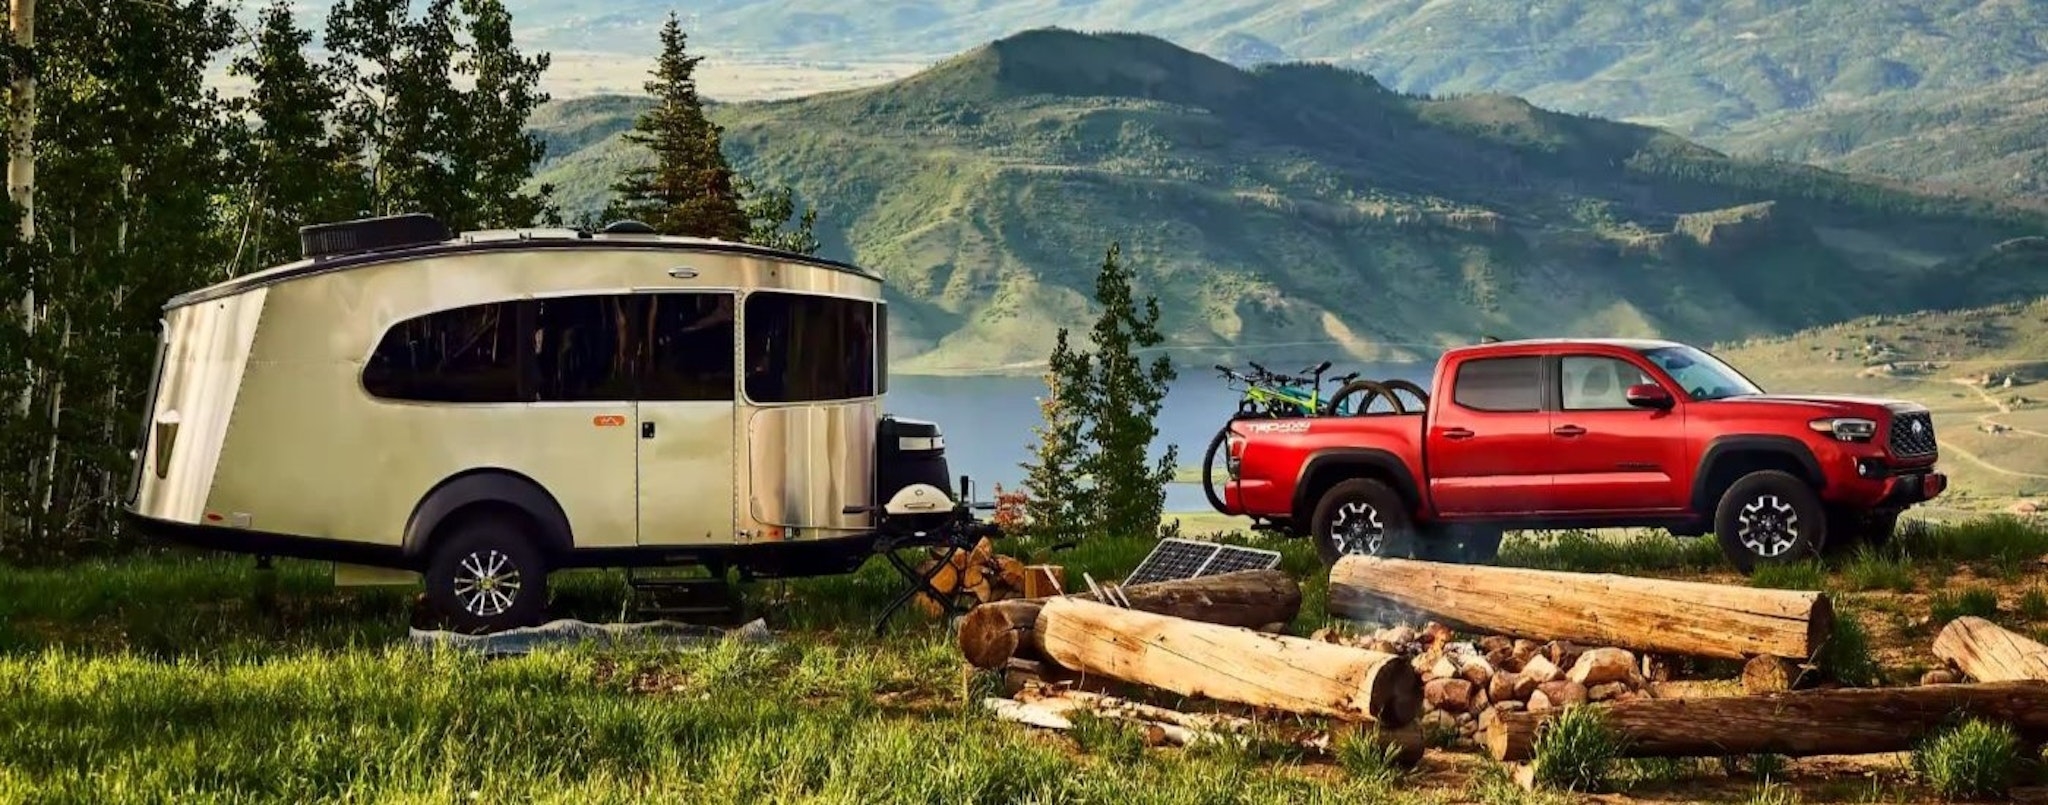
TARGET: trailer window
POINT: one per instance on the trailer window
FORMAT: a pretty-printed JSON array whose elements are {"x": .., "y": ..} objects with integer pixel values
[
  {"x": 691, "y": 355},
  {"x": 881, "y": 348},
  {"x": 1500, "y": 384},
  {"x": 583, "y": 349},
  {"x": 803, "y": 348},
  {"x": 464, "y": 355}
]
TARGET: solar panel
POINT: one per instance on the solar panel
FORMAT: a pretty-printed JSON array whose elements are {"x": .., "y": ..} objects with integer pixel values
[{"x": 1186, "y": 559}]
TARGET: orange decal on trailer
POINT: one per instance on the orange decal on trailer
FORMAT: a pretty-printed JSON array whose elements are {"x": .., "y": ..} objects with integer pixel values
[{"x": 608, "y": 420}]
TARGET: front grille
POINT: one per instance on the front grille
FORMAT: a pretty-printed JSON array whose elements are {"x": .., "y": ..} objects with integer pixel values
[{"x": 1912, "y": 435}]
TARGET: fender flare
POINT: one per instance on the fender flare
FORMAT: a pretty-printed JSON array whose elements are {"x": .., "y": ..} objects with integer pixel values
[
  {"x": 1383, "y": 462},
  {"x": 1721, "y": 447},
  {"x": 493, "y": 486}
]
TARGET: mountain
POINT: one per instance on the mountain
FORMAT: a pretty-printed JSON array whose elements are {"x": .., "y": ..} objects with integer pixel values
[
  {"x": 1308, "y": 210},
  {"x": 1760, "y": 77}
]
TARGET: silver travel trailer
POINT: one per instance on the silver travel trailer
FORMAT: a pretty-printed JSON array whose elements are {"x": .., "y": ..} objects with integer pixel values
[{"x": 485, "y": 408}]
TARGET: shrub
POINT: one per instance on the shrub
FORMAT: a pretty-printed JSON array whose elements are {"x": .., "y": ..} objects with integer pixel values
[
  {"x": 1976, "y": 759},
  {"x": 2034, "y": 604},
  {"x": 1846, "y": 654}
]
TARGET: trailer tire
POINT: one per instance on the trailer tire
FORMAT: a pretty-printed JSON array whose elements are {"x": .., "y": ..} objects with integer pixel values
[
  {"x": 1362, "y": 509},
  {"x": 487, "y": 576}
]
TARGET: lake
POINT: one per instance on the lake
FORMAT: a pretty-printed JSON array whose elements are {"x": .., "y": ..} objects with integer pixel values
[{"x": 987, "y": 420}]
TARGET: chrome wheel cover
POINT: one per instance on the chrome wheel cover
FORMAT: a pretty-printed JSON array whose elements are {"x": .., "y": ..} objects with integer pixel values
[
  {"x": 1356, "y": 529},
  {"x": 486, "y": 583},
  {"x": 1768, "y": 526}
]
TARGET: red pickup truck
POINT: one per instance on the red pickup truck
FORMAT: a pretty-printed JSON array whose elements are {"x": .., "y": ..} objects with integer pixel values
[{"x": 1586, "y": 433}]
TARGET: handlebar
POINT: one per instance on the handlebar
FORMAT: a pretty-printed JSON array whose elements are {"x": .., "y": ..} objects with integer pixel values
[
  {"x": 1257, "y": 368},
  {"x": 1317, "y": 369}
]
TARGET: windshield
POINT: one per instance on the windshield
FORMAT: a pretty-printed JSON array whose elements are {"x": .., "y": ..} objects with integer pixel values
[{"x": 1703, "y": 376}]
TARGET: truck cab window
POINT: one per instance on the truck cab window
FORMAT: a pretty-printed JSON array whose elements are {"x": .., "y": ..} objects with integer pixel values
[
  {"x": 1500, "y": 385},
  {"x": 806, "y": 348},
  {"x": 462, "y": 355},
  {"x": 1597, "y": 383}
]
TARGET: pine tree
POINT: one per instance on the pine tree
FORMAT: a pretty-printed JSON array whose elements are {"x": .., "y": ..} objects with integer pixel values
[
  {"x": 689, "y": 190},
  {"x": 1057, "y": 501},
  {"x": 1123, "y": 397},
  {"x": 294, "y": 171},
  {"x": 1090, "y": 474}
]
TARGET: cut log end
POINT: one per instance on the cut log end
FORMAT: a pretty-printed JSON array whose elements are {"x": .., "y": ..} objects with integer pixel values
[{"x": 1394, "y": 694}]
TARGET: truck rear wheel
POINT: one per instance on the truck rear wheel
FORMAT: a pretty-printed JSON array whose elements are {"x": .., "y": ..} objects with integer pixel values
[
  {"x": 1769, "y": 517},
  {"x": 1209, "y": 469},
  {"x": 1361, "y": 516},
  {"x": 487, "y": 576}
]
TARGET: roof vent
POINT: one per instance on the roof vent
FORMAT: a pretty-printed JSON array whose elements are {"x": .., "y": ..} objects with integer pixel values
[
  {"x": 371, "y": 235},
  {"x": 627, "y": 227}
]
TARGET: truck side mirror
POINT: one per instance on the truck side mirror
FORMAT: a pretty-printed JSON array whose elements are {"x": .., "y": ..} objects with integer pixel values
[{"x": 1650, "y": 395}]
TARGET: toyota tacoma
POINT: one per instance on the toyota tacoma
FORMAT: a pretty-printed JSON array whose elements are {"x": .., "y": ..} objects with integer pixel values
[{"x": 1585, "y": 433}]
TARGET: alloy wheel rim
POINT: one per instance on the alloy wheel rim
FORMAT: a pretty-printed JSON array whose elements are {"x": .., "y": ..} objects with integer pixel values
[
  {"x": 1768, "y": 526},
  {"x": 486, "y": 583},
  {"x": 1357, "y": 529}
]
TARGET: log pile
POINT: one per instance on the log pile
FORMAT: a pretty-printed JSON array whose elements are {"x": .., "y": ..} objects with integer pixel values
[
  {"x": 1468, "y": 684},
  {"x": 981, "y": 573}
]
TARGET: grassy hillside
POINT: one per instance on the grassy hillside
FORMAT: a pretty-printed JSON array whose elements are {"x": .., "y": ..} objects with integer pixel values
[
  {"x": 1984, "y": 371},
  {"x": 1782, "y": 78},
  {"x": 1305, "y": 205}
]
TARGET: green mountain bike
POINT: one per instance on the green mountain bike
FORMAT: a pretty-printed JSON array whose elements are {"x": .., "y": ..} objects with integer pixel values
[{"x": 1270, "y": 395}]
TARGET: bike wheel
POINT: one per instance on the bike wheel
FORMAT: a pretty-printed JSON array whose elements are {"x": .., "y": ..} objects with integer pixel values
[
  {"x": 1366, "y": 391},
  {"x": 1216, "y": 446}
]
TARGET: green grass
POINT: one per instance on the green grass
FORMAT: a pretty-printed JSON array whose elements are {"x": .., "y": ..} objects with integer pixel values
[
  {"x": 1576, "y": 751},
  {"x": 1874, "y": 569},
  {"x": 1977, "y": 759},
  {"x": 125, "y": 679},
  {"x": 1794, "y": 576},
  {"x": 1640, "y": 552},
  {"x": 1974, "y": 601}
]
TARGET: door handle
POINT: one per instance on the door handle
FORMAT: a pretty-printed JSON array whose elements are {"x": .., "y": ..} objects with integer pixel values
[
  {"x": 1457, "y": 433},
  {"x": 1569, "y": 431},
  {"x": 646, "y": 430}
]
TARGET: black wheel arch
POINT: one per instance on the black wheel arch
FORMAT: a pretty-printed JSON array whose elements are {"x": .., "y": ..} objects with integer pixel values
[
  {"x": 1325, "y": 468},
  {"x": 482, "y": 490},
  {"x": 1730, "y": 457}
]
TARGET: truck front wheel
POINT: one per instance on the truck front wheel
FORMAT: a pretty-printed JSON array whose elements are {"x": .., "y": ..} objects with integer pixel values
[
  {"x": 1361, "y": 516},
  {"x": 1769, "y": 517}
]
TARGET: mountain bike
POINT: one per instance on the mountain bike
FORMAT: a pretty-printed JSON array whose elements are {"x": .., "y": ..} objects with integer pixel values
[{"x": 1269, "y": 394}]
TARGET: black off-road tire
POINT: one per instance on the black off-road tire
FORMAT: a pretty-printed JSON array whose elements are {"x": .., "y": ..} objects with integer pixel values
[
  {"x": 1375, "y": 507},
  {"x": 487, "y": 576},
  {"x": 1872, "y": 528},
  {"x": 1769, "y": 517}
]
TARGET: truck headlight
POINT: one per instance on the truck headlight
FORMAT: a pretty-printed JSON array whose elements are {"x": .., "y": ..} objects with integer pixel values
[{"x": 1847, "y": 429}]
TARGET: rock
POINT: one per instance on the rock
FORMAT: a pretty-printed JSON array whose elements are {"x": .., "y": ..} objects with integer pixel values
[
  {"x": 1448, "y": 695},
  {"x": 1539, "y": 703},
  {"x": 1435, "y": 635},
  {"x": 1503, "y": 686},
  {"x": 1562, "y": 653},
  {"x": 1539, "y": 669},
  {"x": 1605, "y": 692},
  {"x": 1476, "y": 671},
  {"x": 1443, "y": 668},
  {"x": 1940, "y": 676},
  {"x": 1564, "y": 692},
  {"x": 1383, "y": 647},
  {"x": 1495, "y": 643},
  {"x": 1399, "y": 635},
  {"x": 1603, "y": 665}
]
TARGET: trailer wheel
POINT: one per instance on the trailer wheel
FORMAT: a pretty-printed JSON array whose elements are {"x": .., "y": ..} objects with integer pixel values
[
  {"x": 1362, "y": 516},
  {"x": 487, "y": 576}
]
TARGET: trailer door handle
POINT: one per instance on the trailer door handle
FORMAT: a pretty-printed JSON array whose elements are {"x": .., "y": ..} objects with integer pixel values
[
  {"x": 647, "y": 430},
  {"x": 1457, "y": 433},
  {"x": 1569, "y": 431}
]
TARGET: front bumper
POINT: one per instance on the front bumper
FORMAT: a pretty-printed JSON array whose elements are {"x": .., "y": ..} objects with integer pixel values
[{"x": 1914, "y": 487}]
